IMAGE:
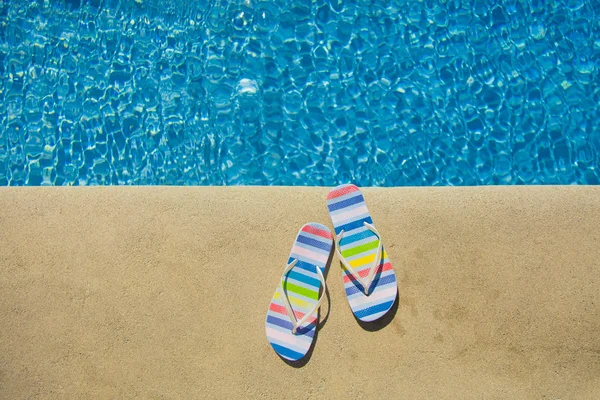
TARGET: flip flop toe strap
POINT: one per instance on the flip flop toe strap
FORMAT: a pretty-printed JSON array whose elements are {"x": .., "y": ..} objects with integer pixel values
[
  {"x": 286, "y": 302},
  {"x": 366, "y": 283}
]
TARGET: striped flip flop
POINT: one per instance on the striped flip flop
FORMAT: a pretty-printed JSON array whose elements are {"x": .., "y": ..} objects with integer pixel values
[
  {"x": 369, "y": 279},
  {"x": 293, "y": 313}
]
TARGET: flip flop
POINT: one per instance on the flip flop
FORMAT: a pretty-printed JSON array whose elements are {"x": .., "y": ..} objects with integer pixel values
[
  {"x": 293, "y": 313},
  {"x": 369, "y": 279}
]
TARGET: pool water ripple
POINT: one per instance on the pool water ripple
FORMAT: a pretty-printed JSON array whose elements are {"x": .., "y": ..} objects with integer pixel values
[{"x": 388, "y": 93}]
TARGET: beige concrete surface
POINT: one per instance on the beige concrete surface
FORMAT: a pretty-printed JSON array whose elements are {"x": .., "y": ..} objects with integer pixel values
[{"x": 161, "y": 293}]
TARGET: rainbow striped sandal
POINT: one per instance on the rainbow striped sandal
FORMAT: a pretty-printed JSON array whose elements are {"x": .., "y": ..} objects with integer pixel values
[
  {"x": 293, "y": 314},
  {"x": 369, "y": 279}
]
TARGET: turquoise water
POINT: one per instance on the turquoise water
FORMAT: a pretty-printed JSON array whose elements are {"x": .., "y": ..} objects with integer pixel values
[{"x": 106, "y": 92}]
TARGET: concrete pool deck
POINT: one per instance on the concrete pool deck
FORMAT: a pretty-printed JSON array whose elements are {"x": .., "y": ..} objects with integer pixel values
[{"x": 161, "y": 292}]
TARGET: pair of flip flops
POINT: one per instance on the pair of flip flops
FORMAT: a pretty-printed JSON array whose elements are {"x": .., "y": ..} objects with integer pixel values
[{"x": 369, "y": 279}]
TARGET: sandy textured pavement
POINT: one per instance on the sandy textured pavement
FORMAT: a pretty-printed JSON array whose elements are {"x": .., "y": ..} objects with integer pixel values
[{"x": 161, "y": 293}]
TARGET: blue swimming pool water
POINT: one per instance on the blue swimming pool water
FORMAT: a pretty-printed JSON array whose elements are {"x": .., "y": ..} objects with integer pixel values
[{"x": 299, "y": 93}]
